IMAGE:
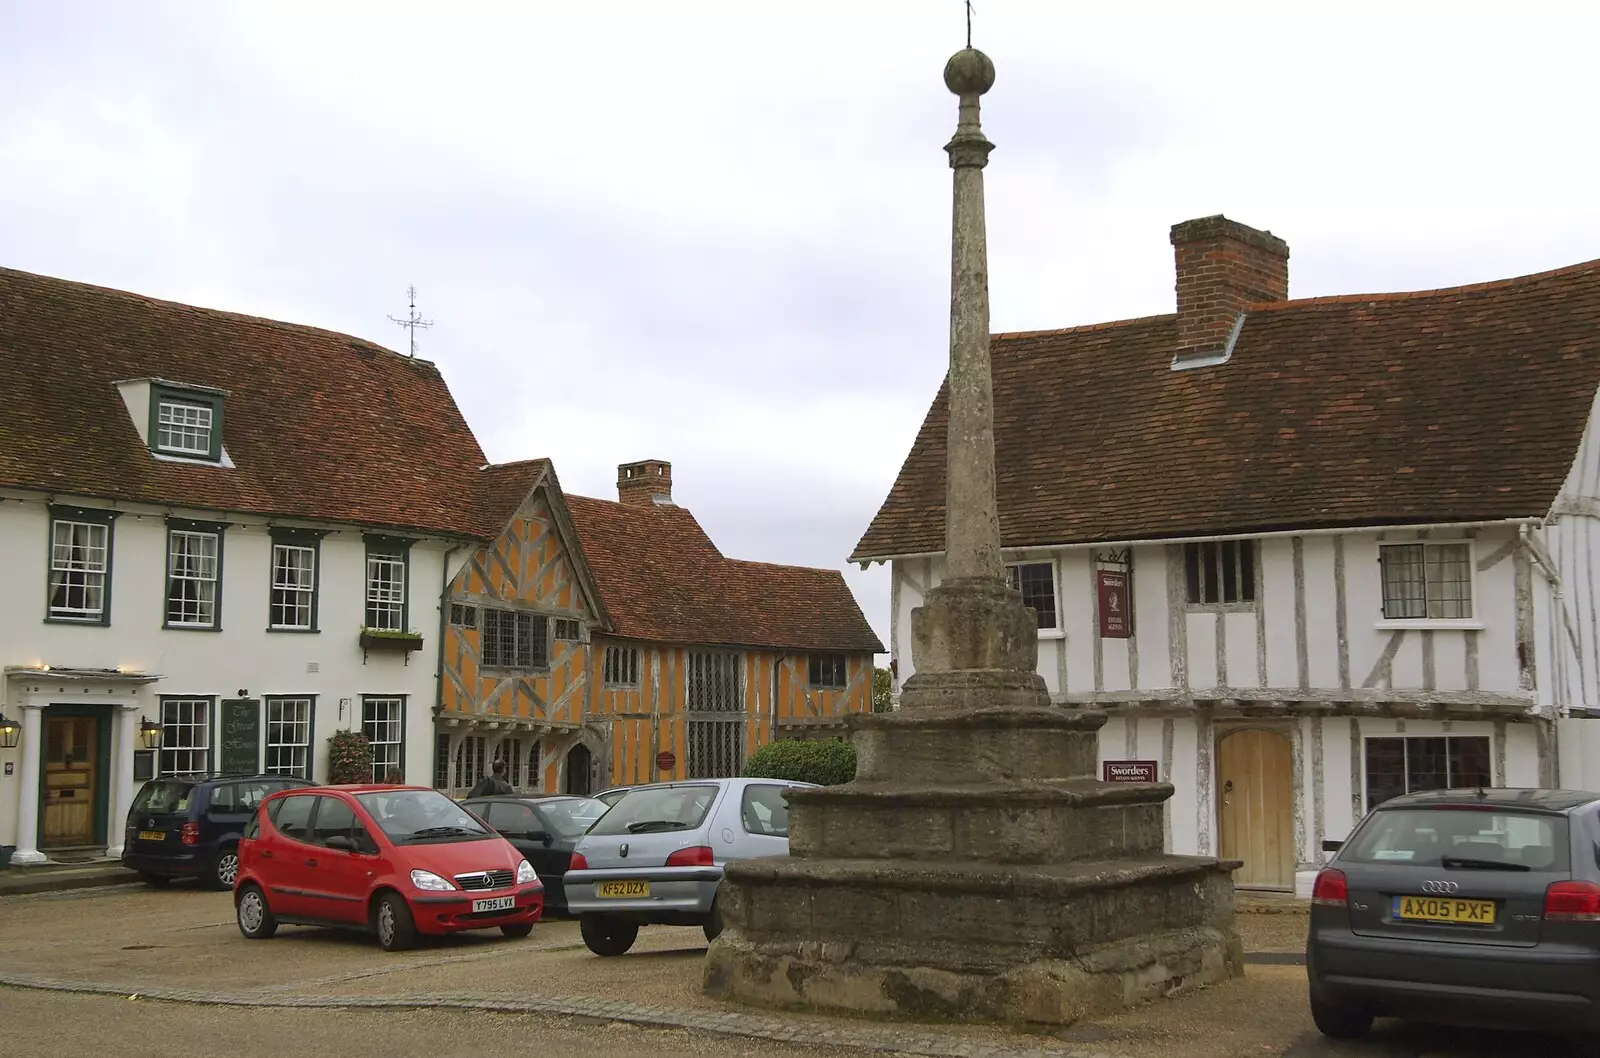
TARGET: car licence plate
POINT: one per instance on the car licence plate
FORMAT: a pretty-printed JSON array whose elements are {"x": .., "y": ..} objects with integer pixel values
[
  {"x": 621, "y": 889},
  {"x": 1444, "y": 909},
  {"x": 152, "y": 835},
  {"x": 494, "y": 903}
]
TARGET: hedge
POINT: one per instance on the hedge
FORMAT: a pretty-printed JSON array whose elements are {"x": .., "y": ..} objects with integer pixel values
[{"x": 826, "y": 762}]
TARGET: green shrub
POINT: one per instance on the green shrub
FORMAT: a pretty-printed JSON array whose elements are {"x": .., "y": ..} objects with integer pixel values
[
  {"x": 826, "y": 762},
  {"x": 349, "y": 758}
]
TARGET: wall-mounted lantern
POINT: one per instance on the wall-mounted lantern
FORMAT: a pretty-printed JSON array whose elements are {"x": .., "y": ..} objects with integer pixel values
[
  {"x": 149, "y": 734},
  {"x": 10, "y": 733}
]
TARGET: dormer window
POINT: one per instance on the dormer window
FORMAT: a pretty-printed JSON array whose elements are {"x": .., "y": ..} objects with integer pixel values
[{"x": 185, "y": 423}]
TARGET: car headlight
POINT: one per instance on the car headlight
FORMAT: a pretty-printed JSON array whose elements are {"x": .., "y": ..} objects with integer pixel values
[
  {"x": 526, "y": 873},
  {"x": 429, "y": 881}
]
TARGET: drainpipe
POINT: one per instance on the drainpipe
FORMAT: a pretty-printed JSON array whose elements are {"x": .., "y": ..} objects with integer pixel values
[
  {"x": 438, "y": 668},
  {"x": 772, "y": 706},
  {"x": 1546, "y": 566}
]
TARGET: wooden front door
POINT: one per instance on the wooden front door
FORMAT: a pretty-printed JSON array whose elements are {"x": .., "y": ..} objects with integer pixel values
[
  {"x": 1255, "y": 806},
  {"x": 578, "y": 767},
  {"x": 71, "y": 755}
]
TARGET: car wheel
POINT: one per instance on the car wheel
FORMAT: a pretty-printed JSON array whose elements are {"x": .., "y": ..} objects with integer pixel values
[
  {"x": 713, "y": 925},
  {"x": 1339, "y": 1022},
  {"x": 518, "y": 932},
  {"x": 607, "y": 936},
  {"x": 154, "y": 881},
  {"x": 256, "y": 920},
  {"x": 392, "y": 922},
  {"x": 224, "y": 868}
]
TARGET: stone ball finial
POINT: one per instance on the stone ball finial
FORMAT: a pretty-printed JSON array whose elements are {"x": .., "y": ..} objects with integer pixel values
[{"x": 969, "y": 72}]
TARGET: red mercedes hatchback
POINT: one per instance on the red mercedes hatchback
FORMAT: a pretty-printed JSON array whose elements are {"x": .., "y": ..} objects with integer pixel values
[{"x": 394, "y": 860}]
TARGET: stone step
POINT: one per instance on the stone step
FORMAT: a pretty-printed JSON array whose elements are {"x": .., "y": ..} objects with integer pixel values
[
  {"x": 1012, "y": 943},
  {"x": 996, "y": 744},
  {"x": 1008, "y": 823}
]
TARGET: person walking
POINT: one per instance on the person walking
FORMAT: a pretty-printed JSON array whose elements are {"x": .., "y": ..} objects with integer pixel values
[{"x": 494, "y": 784}]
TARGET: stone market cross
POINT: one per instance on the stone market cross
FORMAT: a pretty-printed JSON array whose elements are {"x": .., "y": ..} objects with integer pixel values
[{"x": 975, "y": 869}]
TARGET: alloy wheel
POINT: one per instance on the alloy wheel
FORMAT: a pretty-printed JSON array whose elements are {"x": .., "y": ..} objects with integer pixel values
[
  {"x": 386, "y": 923},
  {"x": 251, "y": 911},
  {"x": 228, "y": 868}
]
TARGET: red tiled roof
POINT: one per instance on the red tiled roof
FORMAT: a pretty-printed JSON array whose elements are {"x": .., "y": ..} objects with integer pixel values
[
  {"x": 320, "y": 425},
  {"x": 663, "y": 579},
  {"x": 1461, "y": 404},
  {"x": 501, "y": 489}
]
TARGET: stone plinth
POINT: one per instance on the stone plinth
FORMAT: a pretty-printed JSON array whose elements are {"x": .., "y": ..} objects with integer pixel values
[{"x": 975, "y": 870}]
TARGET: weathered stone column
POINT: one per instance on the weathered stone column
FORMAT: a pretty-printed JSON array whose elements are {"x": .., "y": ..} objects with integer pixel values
[
  {"x": 972, "y": 523},
  {"x": 972, "y": 635}
]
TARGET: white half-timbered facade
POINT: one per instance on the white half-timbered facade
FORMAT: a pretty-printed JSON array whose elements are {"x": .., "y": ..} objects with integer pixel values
[{"x": 1287, "y": 620}]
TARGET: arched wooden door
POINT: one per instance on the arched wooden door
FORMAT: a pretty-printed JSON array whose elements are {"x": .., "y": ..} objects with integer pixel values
[
  {"x": 579, "y": 770},
  {"x": 1255, "y": 806}
]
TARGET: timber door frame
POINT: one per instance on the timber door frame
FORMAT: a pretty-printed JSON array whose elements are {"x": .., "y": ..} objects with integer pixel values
[
  {"x": 100, "y": 799},
  {"x": 1290, "y": 733}
]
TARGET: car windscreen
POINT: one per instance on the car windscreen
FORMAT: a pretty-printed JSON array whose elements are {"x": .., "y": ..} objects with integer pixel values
[
  {"x": 1464, "y": 838},
  {"x": 654, "y": 809},
  {"x": 415, "y": 817},
  {"x": 161, "y": 797},
  {"x": 569, "y": 818}
]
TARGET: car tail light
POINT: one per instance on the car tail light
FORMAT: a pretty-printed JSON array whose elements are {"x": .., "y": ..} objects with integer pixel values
[
  {"x": 1572, "y": 902},
  {"x": 578, "y": 863},
  {"x": 697, "y": 856},
  {"x": 1332, "y": 889},
  {"x": 190, "y": 834}
]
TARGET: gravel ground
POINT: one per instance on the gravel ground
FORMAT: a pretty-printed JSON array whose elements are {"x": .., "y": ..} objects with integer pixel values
[
  {"x": 45, "y": 1025},
  {"x": 186, "y": 939}
]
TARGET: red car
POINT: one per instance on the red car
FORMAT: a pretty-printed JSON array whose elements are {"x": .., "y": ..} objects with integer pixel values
[{"x": 395, "y": 860}]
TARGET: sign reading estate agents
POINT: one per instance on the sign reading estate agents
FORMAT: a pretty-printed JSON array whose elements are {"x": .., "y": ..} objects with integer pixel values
[
  {"x": 1115, "y": 603},
  {"x": 1129, "y": 771}
]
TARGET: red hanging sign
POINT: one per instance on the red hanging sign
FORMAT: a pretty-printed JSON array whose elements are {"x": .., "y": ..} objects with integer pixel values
[
  {"x": 666, "y": 761},
  {"x": 1115, "y": 603}
]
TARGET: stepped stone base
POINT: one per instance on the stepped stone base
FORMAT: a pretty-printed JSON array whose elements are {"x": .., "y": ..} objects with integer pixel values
[{"x": 973, "y": 941}]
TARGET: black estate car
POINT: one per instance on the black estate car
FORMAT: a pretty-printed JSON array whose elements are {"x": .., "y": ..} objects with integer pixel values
[
  {"x": 189, "y": 828},
  {"x": 1467, "y": 907},
  {"x": 543, "y": 827}
]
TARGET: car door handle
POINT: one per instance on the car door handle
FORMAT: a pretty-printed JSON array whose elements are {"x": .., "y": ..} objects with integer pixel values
[
  {"x": 311, "y": 863},
  {"x": 266, "y": 854}
]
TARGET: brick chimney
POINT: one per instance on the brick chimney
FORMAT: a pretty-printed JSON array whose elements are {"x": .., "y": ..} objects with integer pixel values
[
  {"x": 645, "y": 483},
  {"x": 1223, "y": 266}
]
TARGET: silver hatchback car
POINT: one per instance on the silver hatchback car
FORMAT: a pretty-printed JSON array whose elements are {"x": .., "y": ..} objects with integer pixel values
[
  {"x": 656, "y": 857},
  {"x": 1468, "y": 907}
]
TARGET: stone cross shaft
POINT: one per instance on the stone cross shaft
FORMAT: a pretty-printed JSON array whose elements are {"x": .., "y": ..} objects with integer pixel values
[{"x": 972, "y": 523}]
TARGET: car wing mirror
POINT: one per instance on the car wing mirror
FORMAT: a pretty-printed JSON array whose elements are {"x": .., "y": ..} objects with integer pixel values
[
  {"x": 541, "y": 836},
  {"x": 1332, "y": 844}
]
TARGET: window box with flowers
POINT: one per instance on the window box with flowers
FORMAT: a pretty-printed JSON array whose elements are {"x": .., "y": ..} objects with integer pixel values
[{"x": 389, "y": 639}]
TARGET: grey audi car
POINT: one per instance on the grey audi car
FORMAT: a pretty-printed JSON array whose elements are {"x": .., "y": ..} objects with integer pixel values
[{"x": 1467, "y": 907}]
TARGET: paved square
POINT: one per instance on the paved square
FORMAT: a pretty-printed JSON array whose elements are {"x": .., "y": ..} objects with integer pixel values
[{"x": 104, "y": 945}]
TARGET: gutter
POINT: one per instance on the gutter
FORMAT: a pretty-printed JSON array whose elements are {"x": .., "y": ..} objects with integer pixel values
[{"x": 1275, "y": 534}]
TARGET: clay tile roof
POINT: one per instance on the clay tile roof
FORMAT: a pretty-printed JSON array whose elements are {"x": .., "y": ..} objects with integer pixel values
[
  {"x": 1462, "y": 404},
  {"x": 501, "y": 489},
  {"x": 320, "y": 425},
  {"x": 663, "y": 579}
]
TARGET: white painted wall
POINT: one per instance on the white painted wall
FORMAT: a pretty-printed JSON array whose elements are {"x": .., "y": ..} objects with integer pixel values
[
  {"x": 243, "y": 655},
  {"x": 1317, "y": 624}
]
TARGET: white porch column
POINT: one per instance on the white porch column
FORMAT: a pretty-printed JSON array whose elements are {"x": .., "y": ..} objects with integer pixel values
[
  {"x": 28, "y": 787},
  {"x": 123, "y": 747}
]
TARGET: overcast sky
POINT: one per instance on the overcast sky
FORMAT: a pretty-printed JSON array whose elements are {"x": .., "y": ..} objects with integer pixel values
[{"x": 718, "y": 233}]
